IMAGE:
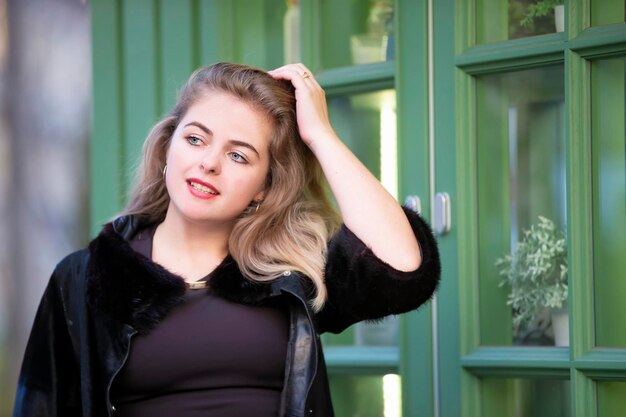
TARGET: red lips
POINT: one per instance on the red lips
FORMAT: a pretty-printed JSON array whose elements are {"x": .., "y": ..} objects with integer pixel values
[{"x": 199, "y": 193}]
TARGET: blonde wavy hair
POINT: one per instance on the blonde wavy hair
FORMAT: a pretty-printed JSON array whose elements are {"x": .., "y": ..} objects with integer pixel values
[{"x": 295, "y": 220}]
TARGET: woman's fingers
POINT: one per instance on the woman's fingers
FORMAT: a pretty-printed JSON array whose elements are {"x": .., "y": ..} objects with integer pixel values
[{"x": 312, "y": 112}]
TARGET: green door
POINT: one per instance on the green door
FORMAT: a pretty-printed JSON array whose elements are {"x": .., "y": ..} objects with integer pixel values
[
  {"x": 372, "y": 63},
  {"x": 530, "y": 145}
]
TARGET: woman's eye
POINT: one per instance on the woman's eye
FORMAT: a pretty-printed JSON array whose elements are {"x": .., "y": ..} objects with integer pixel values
[
  {"x": 193, "y": 140},
  {"x": 237, "y": 157}
]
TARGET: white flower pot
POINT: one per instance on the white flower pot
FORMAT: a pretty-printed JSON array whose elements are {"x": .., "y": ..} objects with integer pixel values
[
  {"x": 560, "y": 327},
  {"x": 559, "y": 17}
]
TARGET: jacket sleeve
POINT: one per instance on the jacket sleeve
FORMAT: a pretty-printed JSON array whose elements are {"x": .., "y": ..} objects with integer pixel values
[
  {"x": 48, "y": 385},
  {"x": 363, "y": 287}
]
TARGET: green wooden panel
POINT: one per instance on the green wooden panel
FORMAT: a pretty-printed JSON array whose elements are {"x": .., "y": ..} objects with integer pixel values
[
  {"x": 603, "y": 363},
  {"x": 416, "y": 363},
  {"x": 513, "y": 55},
  {"x": 492, "y": 21},
  {"x": 361, "y": 360},
  {"x": 216, "y": 31},
  {"x": 609, "y": 198},
  {"x": 603, "y": 41},
  {"x": 176, "y": 51},
  {"x": 606, "y": 12},
  {"x": 310, "y": 17},
  {"x": 579, "y": 203},
  {"x": 445, "y": 150},
  {"x": 467, "y": 235},
  {"x": 140, "y": 83},
  {"x": 357, "y": 79},
  {"x": 106, "y": 151},
  {"x": 493, "y": 205},
  {"x": 525, "y": 397},
  {"x": 496, "y": 398},
  {"x": 274, "y": 35},
  {"x": 444, "y": 141},
  {"x": 220, "y": 37},
  {"x": 518, "y": 361},
  {"x": 339, "y": 20},
  {"x": 611, "y": 398},
  {"x": 583, "y": 395},
  {"x": 250, "y": 43},
  {"x": 416, "y": 353},
  {"x": 412, "y": 102},
  {"x": 260, "y": 44}
]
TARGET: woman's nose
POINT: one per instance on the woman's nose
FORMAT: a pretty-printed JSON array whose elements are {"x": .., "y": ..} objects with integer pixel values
[{"x": 210, "y": 162}]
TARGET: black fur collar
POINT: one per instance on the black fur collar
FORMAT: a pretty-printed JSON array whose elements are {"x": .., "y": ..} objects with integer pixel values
[{"x": 139, "y": 292}]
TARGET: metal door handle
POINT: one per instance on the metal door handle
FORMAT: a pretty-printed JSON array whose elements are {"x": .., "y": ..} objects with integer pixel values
[
  {"x": 442, "y": 220},
  {"x": 414, "y": 203}
]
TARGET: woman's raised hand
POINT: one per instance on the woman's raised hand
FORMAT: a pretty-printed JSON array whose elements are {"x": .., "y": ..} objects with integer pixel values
[
  {"x": 311, "y": 108},
  {"x": 368, "y": 210}
]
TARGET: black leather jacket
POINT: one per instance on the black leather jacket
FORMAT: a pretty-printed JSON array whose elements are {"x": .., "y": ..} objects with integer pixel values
[{"x": 99, "y": 297}]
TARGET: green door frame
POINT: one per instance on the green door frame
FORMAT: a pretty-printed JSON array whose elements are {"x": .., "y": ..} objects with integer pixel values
[{"x": 583, "y": 364}]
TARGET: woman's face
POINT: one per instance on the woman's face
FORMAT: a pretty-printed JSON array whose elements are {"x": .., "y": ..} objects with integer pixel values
[{"x": 218, "y": 160}]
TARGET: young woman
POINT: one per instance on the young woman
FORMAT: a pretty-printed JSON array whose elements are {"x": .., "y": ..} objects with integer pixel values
[{"x": 208, "y": 295}]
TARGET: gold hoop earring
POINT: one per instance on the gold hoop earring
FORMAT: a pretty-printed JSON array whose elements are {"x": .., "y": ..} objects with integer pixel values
[
  {"x": 164, "y": 170},
  {"x": 258, "y": 204}
]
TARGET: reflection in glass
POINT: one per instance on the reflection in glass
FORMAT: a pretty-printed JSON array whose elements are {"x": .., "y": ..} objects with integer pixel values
[
  {"x": 521, "y": 179},
  {"x": 366, "y": 396},
  {"x": 606, "y": 12},
  {"x": 366, "y": 123},
  {"x": 525, "y": 397},
  {"x": 611, "y": 396},
  {"x": 379, "y": 333},
  {"x": 608, "y": 149},
  {"x": 500, "y": 21},
  {"x": 356, "y": 32}
]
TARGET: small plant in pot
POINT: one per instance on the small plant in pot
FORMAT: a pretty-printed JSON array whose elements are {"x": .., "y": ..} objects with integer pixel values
[
  {"x": 536, "y": 274},
  {"x": 543, "y": 8}
]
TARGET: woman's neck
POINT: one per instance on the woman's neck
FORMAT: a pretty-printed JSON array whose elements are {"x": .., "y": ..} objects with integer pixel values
[{"x": 191, "y": 249}]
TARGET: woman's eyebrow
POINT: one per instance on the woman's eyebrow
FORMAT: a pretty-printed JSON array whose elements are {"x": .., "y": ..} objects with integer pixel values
[
  {"x": 245, "y": 145},
  {"x": 232, "y": 141},
  {"x": 201, "y": 126}
]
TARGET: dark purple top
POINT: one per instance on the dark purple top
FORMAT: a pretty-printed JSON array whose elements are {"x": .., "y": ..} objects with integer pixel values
[{"x": 207, "y": 357}]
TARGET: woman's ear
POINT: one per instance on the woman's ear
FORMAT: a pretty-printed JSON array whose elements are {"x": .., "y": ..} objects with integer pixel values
[{"x": 260, "y": 196}]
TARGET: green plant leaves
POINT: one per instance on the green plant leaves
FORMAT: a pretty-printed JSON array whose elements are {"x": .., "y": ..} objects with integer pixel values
[{"x": 536, "y": 272}]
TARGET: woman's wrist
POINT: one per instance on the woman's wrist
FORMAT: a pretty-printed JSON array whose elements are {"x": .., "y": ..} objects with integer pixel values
[{"x": 324, "y": 140}]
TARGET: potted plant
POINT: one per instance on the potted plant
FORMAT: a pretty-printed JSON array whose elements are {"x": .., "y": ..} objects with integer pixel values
[
  {"x": 536, "y": 274},
  {"x": 544, "y": 8}
]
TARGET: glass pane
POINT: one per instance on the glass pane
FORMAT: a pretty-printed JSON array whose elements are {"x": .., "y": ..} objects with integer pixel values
[
  {"x": 260, "y": 35},
  {"x": 356, "y": 32},
  {"x": 521, "y": 207},
  {"x": 609, "y": 198},
  {"x": 366, "y": 396},
  {"x": 606, "y": 12},
  {"x": 525, "y": 398},
  {"x": 367, "y": 125},
  {"x": 611, "y": 398},
  {"x": 499, "y": 20},
  {"x": 380, "y": 333}
]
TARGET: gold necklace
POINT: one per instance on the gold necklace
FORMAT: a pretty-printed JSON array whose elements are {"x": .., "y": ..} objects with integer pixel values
[{"x": 197, "y": 285}]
